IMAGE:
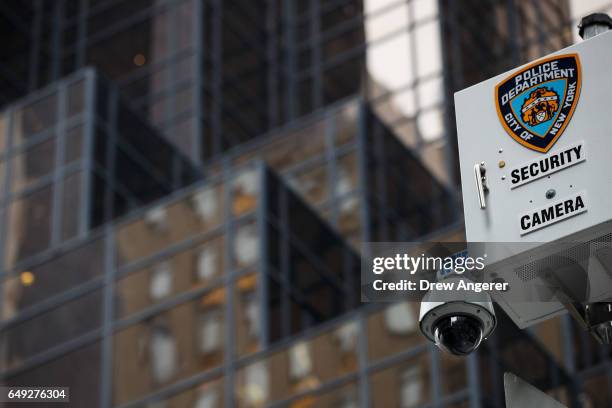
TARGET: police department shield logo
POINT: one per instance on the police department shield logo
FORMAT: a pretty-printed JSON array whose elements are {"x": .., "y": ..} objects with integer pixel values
[{"x": 536, "y": 103}]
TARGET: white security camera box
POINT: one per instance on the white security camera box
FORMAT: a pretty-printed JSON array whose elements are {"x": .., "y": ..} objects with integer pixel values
[{"x": 535, "y": 148}]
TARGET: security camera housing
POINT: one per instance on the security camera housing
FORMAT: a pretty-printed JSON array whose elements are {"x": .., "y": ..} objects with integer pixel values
[{"x": 550, "y": 193}]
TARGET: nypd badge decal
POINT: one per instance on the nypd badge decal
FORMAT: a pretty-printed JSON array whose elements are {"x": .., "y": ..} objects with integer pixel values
[{"x": 536, "y": 103}]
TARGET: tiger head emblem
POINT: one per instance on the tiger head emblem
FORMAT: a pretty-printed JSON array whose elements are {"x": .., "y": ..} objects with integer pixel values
[{"x": 540, "y": 106}]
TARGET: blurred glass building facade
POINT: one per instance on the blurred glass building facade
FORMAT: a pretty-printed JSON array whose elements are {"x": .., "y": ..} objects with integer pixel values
[
  {"x": 212, "y": 74},
  {"x": 159, "y": 281},
  {"x": 73, "y": 157},
  {"x": 181, "y": 225}
]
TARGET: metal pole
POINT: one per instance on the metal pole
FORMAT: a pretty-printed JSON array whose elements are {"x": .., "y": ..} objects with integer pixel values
[{"x": 594, "y": 24}]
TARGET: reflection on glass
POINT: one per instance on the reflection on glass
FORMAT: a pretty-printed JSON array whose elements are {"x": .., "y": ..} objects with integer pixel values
[
  {"x": 255, "y": 391},
  {"x": 245, "y": 188},
  {"x": 403, "y": 385},
  {"x": 393, "y": 330},
  {"x": 342, "y": 397},
  {"x": 400, "y": 318},
  {"x": 71, "y": 207},
  {"x": 431, "y": 124},
  {"x": 406, "y": 68},
  {"x": 161, "y": 281},
  {"x": 411, "y": 387},
  {"x": 312, "y": 184},
  {"x": 124, "y": 45},
  {"x": 34, "y": 118},
  {"x": 207, "y": 203},
  {"x": 73, "y": 144},
  {"x": 166, "y": 225},
  {"x": 52, "y": 328},
  {"x": 156, "y": 219},
  {"x": 79, "y": 370},
  {"x": 210, "y": 331},
  {"x": 300, "y": 363},
  {"x": 76, "y": 97},
  {"x": 350, "y": 222},
  {"x": 246, "y": 245},
  {"x": 32, "y": 165},
  {"x": 345, "y": 123},
  {"x": 207, "y": 399},
  {"x": 27, "y": 214},
  {"x": 252, "y": 314},
  {"x": 169, "y": 346},
  {"x": 180, "y": 272},
  {"x": 428, "y": 55},
  {"x": 207, "y": 260},
  {"x": 248, "y": 314},
  {"x": 53, "y": 277},
  {"x": 346, "y": 337},
  {"x": 301, "y": 367},
  {"x": 454, "y": 373},
  {"x": 348, "y": 176},
  {"x": 208, "y": 394},
  {"x": 163, "y": 354}
]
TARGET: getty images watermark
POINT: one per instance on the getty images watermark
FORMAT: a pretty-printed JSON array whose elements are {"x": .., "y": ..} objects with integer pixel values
[
  {"x": 399, "y": 270},
  {"x": 442, "y": 266},
  {"x": 392, "y": 271}
]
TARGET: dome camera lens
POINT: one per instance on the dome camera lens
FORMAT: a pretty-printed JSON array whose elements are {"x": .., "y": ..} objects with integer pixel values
[{"x": 458, "y": 335}]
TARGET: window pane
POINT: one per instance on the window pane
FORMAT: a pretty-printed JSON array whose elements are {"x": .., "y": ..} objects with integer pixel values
[
  {"x": 346, "y": 396},
  {"x": 312, "y": 184},
  {"x": 186, "y": 270},
  {"x": 347, "y": 174},
  {"x": 245, "y": 188},
  {"x": 31, "y": 165},
  {"x": 208, "y": 261},
  {"x": 131, "y": 48},
  {"x": 74, "y": 144},
  {"x": 191, "y": 216},
  {"x": 29, "y": 228},
  {"x": 404, "y": 385},
  {"x": 346, "y": 124},
  {"x": 52, "y": 328},
  {"x": 71, "y": 207},
  {"x": 393, "y": 330},
  {"x": 160, "y": 284},
  {"x": 245, "y": 246},
  {"x": 34, "y": 118},
  {"x": 429, "y": 55},
  {"x": 78, "y": 370},
  {"x": 454, "y": 373},
  {"x": 168, "y": 347},
  {"x": 208, "y": 394},
  {"x": 76, "y": 97},
  {"x": 302, "y": 366},
  {"x": 51, "y": 278},
  {"x": 248, "y": 314}
]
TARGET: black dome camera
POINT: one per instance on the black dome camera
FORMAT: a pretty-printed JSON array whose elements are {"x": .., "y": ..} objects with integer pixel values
[
  {"x": 457, "y": 326},
  {"x": 458, "y": 335}
]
